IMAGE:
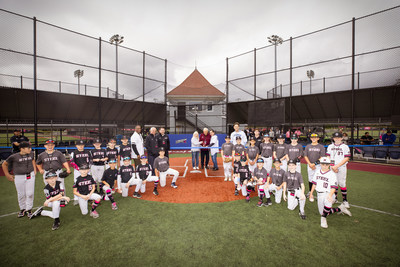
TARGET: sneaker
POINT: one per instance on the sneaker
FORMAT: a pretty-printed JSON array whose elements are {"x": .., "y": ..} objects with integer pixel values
[
  {"x": 226, "y": 179},
  {"x": 155, "y": 192},
  {"x": 311, "y": 199},
  {"x": 346, "y": 204},
  {"x": 21, "y": 214},
  {"x": 269, "y": 202},
  {"x": 76, "y": 202},
  {"x": 236, "y": 193},
  {"x": 114, "y": 206},
  {"x": 344, "y": 210},
  {"x": 260, "y": 204},
  {"x": 137, "y": 195},
  {"x": 248, "y": 199},
  {"x": 36, "y": 213},
  {"x": 94, "y": 214},
  {"x": 324, "y": 224},
  {"x": 229, "y": 179},
  {"x": 302, "y": 216},
  {"x": 308, "y": 195},
  {"x": 174, "y": 185},
  {"x": 56, "y": 225},
  {"x": 29, "y": 213}
]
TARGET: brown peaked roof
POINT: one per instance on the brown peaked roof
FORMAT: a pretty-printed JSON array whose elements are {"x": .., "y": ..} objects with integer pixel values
[{"x": 196, "y": 84}]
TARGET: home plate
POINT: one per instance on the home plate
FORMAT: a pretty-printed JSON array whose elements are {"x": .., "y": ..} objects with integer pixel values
[{"x": 195, "y": 171}]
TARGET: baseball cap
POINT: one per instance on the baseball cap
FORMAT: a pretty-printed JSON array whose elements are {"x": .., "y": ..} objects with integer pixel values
[
  {"x": 51, "y": 174},
  {"x": 337, "y": 134},
  {"x": 238, "y": 137},
  {"x": 84, "y": 167},
  {"x": 112, "y": 161},
  {"x": 281, "y": 136},
  {"x": 97, "y": 141},
  {"x": 266, "y": 135},
  {"x": 314, "y": 135},
  {"x": 124, "y": 137},
  {"x": 127, "y": 158},
  {"x": 325, "y": 160},
  {"x": 162, "y": 149},
  {"x": 294, "y": 136},
  {"x": 143, "y": 157},
  {"x": 252, "y": 138},
  {"x": 80, "y": 142},
  {"x": 49, "y": 141},
  {"x": 260, "y": 160},
  {"x": 243, "y": 158},
  {"x": 17, "y": 130},
  {"x": 112, "y": 140},
  {"x": 277, "y": 160},
  {"x": 24, "y": 144},
  {"x": 291, "y": 162},
  {"x": 227, "y": 137}
]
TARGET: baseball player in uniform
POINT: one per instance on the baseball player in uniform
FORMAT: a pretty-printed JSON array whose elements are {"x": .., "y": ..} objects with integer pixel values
[
  {"x": 111, "y": 152},
  {"x": 84, "y": 189},
  {"x": 144, "y": 173},
  {"x": 24, "y": 168},
  {"x": 236, "y": 176},
  {"x": 325, "y": 183},
  {"x": 239, "y": 147},
  {"x": 252, "y": 154},
  {"x": 125, "y": 149},
  {"x": 266, "y": 151},
  {"x": 276, "y": 181},
  {"x": 280, "y": 151},
  {"x": 339, "y": 154},
  {"x": 127, "y": 178},
  {"x": 162, "y": 169},
  {"x": 238, "y": 133},
  {"x": 261, "y": 176},
  {"x": 244, "y": 177},
  {"x": 51, "y": 159},
  {"x": 108, "y": 181},
  {"x": 99, "y": 159},
  {"x": 137, "y": 144},
  {"x": 55, "y": 199},
  {"x": 295, "y": 151},
  {"x": 312, "y": 154},
  {"x": 293, "y": 184},
  {"x": 226, "y": 154},
  {"x": 79, "y": 157}
]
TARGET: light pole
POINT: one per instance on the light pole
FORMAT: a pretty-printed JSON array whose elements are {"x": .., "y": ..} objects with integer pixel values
[
  {"x": 275, "y": 40},
  {"x": 78, "y": 74},
  {"x": 116, "y": 39},
  {"x": 310, "y": 74}
]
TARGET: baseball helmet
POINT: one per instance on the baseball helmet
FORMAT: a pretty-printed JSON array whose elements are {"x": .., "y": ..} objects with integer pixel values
[
  {"x": 260, "y": 160},
  {"x": 337, "y": 134},
  {"x": 325, "y": 160}
]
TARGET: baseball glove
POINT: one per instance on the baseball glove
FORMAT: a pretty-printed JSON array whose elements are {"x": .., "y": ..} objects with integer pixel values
[
  {"x": 227, "y": 159},
  {"x": 63, "y": 174}
]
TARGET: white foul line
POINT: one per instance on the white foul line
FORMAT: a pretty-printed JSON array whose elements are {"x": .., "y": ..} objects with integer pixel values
[
  {"x": 378, "y": 211},
  {"x": 206, "y": 173},
  {"x": 5, "y": 215}
]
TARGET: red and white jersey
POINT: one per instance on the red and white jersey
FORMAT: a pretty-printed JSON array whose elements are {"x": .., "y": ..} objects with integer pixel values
[
  {"x": 324, "y": 181},
  {"x": 338, "y": 152}
]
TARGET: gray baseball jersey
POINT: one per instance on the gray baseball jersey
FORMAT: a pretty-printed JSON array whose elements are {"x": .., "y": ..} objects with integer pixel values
[
  {"x": 280, "y": 150},
  {"x": 227, "y": 149},
  {"x": 239, "y": 148},
  {"x": 277, "y": 176},
  {"x": 260, "y": 173},
  {"x": 314, "y": 153},
  {"x": 52, "y": 161},
  {"x": 252, "y": 152},
  {"x": 21, "y": 164},
  {"x": 295, "y": 152},
  {"x": 266, "y": 150},
  {"x": 293, "y": 180},
  {"x": 161, "y": 164}
]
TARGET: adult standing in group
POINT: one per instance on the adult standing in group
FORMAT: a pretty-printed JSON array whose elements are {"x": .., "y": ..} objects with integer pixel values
[
  {"x": 388, "y": 138},
  {"x": 214, "y": 143},
  {"x": 205, "y": 138},
  {"x": 163, "y": 141},
  {"x": 238, "y": 133},
  {"x": 152, "y": 147},
  {"x": 195, "y": 142},
  {"x": 16, "y": 139},
  {"x": 258, "y": 138},
  {"x": 137, "y": 145}
]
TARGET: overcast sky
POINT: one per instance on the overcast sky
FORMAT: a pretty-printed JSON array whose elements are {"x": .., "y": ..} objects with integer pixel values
[{"x": 185, "y": 32}]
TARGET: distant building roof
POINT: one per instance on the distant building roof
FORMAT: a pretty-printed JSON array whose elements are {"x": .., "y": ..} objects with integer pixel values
[{"x": 196, "y": 85}]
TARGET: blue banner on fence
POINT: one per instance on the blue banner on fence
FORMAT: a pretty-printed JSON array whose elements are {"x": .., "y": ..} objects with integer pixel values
[{"x": 182, "y": 141}]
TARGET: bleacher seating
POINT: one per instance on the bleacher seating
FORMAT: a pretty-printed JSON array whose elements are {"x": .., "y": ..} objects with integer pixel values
[{"x": 394, "y": 152}]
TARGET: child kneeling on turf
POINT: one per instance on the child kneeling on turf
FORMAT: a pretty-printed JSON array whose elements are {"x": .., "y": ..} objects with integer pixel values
[
  {"x": 127, "y": 177},
  {"x": 54, "y": 192},
  {"x": 245, "y": 181},
  {"x": 162, "y": 169},
  {"x": 84, "y": 189},
  {"x": 144, "y": 173},
  {"x": 261, "y": 176},
  {"x": 276, "y": 181},
  {"x": 107, "y": 182},
  {"x": 293, "y": 183}
]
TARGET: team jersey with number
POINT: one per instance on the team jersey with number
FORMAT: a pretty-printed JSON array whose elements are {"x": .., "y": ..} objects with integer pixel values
[
  {"x": 50, "y": 191},
  {"x": 252, "y": 152},
  {"x": 143, "y": 170},
  {"x": 84, "y": 184},
  {"x": 126, "y": 173},
  {"x": 277, "y": 176},
  {"x": 239, "y": 149},
  {"x": 266, "y": 149},
  {"x": 21, "y": 164},
  {"x": 314, "y": 152},
  {"x": 52, "y": 161},
  {"x": 244, "y": 172},
  {"x": 293, "y": 180},
  {"x": 260, "y": 173},
  {"x": 98, "y": 154},
  {"x": 227, "y": 149},
  {"x": 125, "y": 150},
  {"x": 280, "y": 150},
  {"x": 109, "y": 176},
  {"x": 324, "y": 181},
  {"x": 295, "y": 152},
  {"x": 111, "y": 153},
  {"x": 81, "y": 157},
  {"x": 236, "y": 165},
  {"x": 338, "y": 152}
]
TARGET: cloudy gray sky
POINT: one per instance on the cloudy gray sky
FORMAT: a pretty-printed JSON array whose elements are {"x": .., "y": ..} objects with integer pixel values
[{"x": 184, "y": 32}]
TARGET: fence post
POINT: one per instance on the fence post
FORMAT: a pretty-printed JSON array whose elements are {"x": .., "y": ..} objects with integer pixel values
[
  {"x": 324, "y": 85},
  {"x": 35, "y": 97},
  {"x": 143, "y": 85},
  {"x": 108, "y": 92},
  {"x": 85, "y": 90},
  {"x": 353, "y": 61},
  {"x": 358, "y": 80},
  {"x": 22, "y": 83},
  {"x": 59, "y": 86},
  {"x": 99, "y": 102},
  {"x": 291, "y": 83},
  {"x": 165, "y": 93},
  {"x": 227, "y": 94},
  {"x": 281, "y": 90},
  {"x": 301, "y": 87}
]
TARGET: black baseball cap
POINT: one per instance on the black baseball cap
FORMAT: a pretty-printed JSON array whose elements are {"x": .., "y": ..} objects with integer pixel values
[
  {"x": 227, "y": 137},
  {"x": 281, "y": 136},
  {"x": 162, "y": 149},
  {"x": 97, "y": 141},
  {"x": 80, "y": 142},
  {"x": 24, "y": 144},
  {"x": 260, "y": 160},
  {"x": 17, "y": 130},
  {"x": 51, "y": 174},
  {"x": 252, "y": 138},
  {"x": 294, "y": 136},
  {"x": 292, "y": 162},
  {"x": 238, "y": 137},
  {"x": 84, "y": 167},
  {"x": 277, "y": 160},
  {"x": 124, "y": 137},
  {"x": 337, "y": 134}
]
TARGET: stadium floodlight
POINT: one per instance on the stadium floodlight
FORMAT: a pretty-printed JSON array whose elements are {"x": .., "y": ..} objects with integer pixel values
[
  {"x": 78, "y": 74},
  {"x": 275, "y": 40},
  {"x": 310, "y": 75},
  {"x": 116, "y": 39}
]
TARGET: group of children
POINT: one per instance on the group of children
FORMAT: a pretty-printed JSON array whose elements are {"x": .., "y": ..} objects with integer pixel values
[
  {"x": 96, "y": 174},
  {"x": 251, "y": 168}
]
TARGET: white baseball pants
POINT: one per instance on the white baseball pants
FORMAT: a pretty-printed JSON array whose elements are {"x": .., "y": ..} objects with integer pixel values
[
  {"x": 284, "y": 165},
  {"x": 266, "y": 191},
  {"x": 311, "y": 172},
  {"x": 278, "y": 193},
  {"x": 132, "y": 181},
  {"x": 163, "y": 176},
  {"x": 323, "y": 201},
  {"x": 148, "y": 179},
  {"x": 97, "y": 172},
  {"x": 252, "y": 167},
  {"x": 25, "y": 190},
  {"x": 55, "y": 210},
  {"x": 341, "y": 176},
  {"x": 83, "y": 204},
  {"x": 267, "y": 164},
  {"x": 227, "y": 169},
  {"x": 294, "y": 200}
]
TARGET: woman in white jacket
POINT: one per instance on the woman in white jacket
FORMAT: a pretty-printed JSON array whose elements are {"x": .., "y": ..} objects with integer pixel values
[
  {"x": 214, "y": 151},
  {"x": 195, "y": 151}
]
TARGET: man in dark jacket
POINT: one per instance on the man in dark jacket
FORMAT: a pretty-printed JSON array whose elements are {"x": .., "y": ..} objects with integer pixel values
[
  {"x": 151, "y": 145},
  {"x": 163, "y": 141}
]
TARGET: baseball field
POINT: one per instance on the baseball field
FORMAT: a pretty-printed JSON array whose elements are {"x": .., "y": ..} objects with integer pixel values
[{"x": 203, "y": 224}]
